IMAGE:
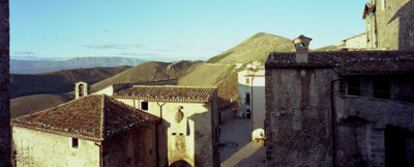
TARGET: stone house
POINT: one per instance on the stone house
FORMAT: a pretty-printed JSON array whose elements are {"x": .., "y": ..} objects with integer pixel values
[
  {"x": 346, "y": 108},
  {"x": 95, "y": 130},
  {"x": 355, "y": 42},
  {"x": 189, "y": 130},
  {"x": 251, "y": 88},
  {"x": 389, "y": 24}
]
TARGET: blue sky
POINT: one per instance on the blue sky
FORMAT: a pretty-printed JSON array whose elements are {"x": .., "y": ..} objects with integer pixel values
[{"x": 171, "y": 30}]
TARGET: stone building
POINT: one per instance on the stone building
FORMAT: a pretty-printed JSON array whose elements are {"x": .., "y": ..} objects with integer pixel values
[
  {"x": 251, "y": 88},
  {"x": 355, "y": 42},
  {"x": 389, "y": 24},
  {"x": 346, "y": 108},
  {"x": 189, "y": 130},
  {"x": 4, "y": 85},
  {"x": 91, "y": 131}
]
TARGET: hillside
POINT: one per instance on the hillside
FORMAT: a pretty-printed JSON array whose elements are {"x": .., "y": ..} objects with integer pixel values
[
  {"x": 41, "y": 66},
  {"x": 34, "y": 103},
  {"x": 150, "y": 71},
  {"x": 220, "y": 70},
  {"x": 58, "y": 82},
  {"x": 256, "y": 47}
]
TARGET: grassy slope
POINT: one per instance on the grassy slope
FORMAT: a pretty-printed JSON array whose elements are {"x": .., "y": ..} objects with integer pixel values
[
  {"x": 256, "y": 47},
  {"x": 58, "y": 82},
  {"x": 34, "y": 103},
  {"x": 220, "y": 72},
  {"x": 150, "y": 71}
]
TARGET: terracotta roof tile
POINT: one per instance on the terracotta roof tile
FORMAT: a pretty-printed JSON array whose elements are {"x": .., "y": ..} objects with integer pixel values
[
  {"x": 350, "y": 62},
  {"x": 94, "y": 117},
  {"x": 168, "y": 93}
]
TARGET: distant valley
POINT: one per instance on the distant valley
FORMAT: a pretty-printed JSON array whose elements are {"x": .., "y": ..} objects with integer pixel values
[{"x": 34, "y": 66}]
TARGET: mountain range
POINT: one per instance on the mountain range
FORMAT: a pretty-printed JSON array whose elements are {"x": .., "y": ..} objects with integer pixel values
[
  {"x": 218, "y": 71},
  {"x": 35, "y": 66}
]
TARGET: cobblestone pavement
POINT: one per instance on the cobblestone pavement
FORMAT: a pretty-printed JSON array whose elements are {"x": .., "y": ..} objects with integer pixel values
[{"x": 236, "y": 148}]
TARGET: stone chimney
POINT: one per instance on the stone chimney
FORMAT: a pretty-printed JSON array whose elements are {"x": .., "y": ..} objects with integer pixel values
[
  {"x": 302, "y": 48},
  {"x": 81, "y": 89}
]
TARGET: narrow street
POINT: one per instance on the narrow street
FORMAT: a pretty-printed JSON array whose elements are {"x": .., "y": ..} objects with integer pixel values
[{"x": 236, "y": 146}]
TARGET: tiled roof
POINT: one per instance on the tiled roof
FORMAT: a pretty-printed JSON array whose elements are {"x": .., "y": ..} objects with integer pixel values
[
  {"x": 350, "y": 62},
  {"x": 94, "y": 117},
  {"x": 168, "y": 93}
]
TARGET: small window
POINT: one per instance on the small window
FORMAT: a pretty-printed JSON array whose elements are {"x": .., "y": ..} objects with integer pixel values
[
  {"x": 384, "y": 5},
  {"x": 247, "y": 98},
  {"x": 247, "y": 81},
  {"x": 354, "y": 86},
  {"x": 75, "y": 142},
  {"x": 382, "y": 88},
  {"x": 144, "y": 105}
]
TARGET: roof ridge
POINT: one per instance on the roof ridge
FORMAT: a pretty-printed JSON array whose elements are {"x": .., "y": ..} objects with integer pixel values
[{"x": 102, "y": 116}]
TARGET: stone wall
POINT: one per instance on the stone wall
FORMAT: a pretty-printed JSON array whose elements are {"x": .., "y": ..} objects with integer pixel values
[
  {"x": 298, "y": 116},
  {"x": 4, "y": 85},
  {"x": 361, "y": 125},
  {"x": 37, "y": 148},
  {"x": 136, "y": 148},
  {"x": 193, "y": 139},
  {"x": 395, "y": 26}
]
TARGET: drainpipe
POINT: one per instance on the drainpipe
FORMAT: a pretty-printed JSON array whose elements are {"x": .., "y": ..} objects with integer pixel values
[
  {"x": 333, "y": 121},
  {"x": 156, "y": 133}
]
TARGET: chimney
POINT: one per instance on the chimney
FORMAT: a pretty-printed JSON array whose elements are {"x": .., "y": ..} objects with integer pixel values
[
  {"x": 81, "y": 89},
  {"x": 302, "y": 48}
]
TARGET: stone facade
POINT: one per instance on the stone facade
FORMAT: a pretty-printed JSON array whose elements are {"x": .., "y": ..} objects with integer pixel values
[
  {"x": 189, "y": 130},
  {"x": 355, "y": 42},
  {"x": 4, "y": 85},
  {"x": 251, "y": 91},
  {"x": 92, "y": 131},
  {"x": 390, "y": 24},
  {"x": 340, "y": 108},
  {"x": 36, "y": 148},
  {"x": 298, "y": 131}
]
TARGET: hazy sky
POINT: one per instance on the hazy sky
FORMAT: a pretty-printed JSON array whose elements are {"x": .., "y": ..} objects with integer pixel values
[{"x": 171, "y": 29}]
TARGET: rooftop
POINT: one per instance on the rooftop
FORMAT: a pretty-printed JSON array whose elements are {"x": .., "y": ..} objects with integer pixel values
[
  {"x": 167, "y": 93},
  {"x": 94, "y": 117},
  {"x": 350, "y": 62}
]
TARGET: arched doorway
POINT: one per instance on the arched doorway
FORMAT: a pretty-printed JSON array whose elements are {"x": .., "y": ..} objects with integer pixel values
[{"x": 180, "y": 163}]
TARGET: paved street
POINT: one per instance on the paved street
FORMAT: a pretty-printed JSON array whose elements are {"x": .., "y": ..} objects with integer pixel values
[{"x": 236, "y": 148}]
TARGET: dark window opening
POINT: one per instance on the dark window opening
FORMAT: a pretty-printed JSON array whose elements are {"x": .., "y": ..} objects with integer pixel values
[
  {"x": 144, "y": 105},
  {"x": 382, "y": 89},
  {"x": 247, "y": 98},
  {"x": 174, "y": 134},
  {"x": 354, "y": 86},
  {"x": 75, "y": 142},
  {"x": 128, "y": 161},
  {"x": 80, "y": 89},
  {"x": 247, "y": 81}
]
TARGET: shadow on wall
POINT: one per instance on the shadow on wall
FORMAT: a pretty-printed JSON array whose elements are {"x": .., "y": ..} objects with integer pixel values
[
  {"x": 406, "y": 30},
  {"x": 203, "y": 139}
]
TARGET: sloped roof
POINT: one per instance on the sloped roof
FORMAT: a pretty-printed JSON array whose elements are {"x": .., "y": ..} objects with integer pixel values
[
  {"x": 94, "y": 117},
  {"x": 168, "y": 93},
  {"x": 350, "y": 62}
]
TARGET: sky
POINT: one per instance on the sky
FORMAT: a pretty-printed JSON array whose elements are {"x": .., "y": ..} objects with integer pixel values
[{"x": 168, "y": 30}]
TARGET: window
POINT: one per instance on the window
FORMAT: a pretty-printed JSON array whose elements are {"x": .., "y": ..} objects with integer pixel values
[
  {"x": 384, "y": 5},
  {"x": 144, "y": 105},
  {"x": 75, "y": 142},
  {"x": 382, "y": 88},
  {"x": 247, "y": 98},
  {"x": 354, "y": 86},
  {"x": 247, "y": 81}
]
